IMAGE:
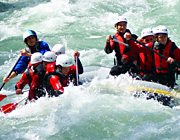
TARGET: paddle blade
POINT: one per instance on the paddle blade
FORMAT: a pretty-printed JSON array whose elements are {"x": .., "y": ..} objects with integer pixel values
[
  {"x": 2, "y": 97},
  {"x": 8, "y": 107}
]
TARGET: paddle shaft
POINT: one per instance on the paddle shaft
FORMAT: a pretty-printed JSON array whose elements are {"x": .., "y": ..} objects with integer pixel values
[
  {"x": 77, "y": 71},
  {"x": 177, "y": 65},
  {"x": 121, "y": 42},
  {"x": 22, "y": 100},
  {"x": 4, "y": 96},
  {"x": 11, "y": 72},
  {"x": 15, "y": 92}
]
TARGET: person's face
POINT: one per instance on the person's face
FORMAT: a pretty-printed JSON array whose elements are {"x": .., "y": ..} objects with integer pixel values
[
  {"x": 45, "y": 64},
  {"x": 31, "y": 40},
  {"x": 121, "y": 27},
  {"x": 65, "y": 71},
  {"x": 162, "y": 38},
  {"x": 148, "y": 39}
]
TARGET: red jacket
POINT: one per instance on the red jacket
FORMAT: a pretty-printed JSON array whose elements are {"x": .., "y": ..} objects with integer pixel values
[
  {"x": 32, "y": 77},
  {"x": 160, "y": 64},
  {"x": 55, "y": 80},
  {"x": 143, "y": 61}
]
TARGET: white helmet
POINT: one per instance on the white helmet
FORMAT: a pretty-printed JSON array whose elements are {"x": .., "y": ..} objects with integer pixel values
[
  {"x": 49, "y": 56},
  {"x": 58, "y": 49},
  {"x": 63, "y": 60},
  {"x": 161, "y": 30},
  {"x": 154, "y": 30},
  {"x": 36, "y": 58},
  {"x": 120, "y": 19},
  {"x": 146, "y": 32}
]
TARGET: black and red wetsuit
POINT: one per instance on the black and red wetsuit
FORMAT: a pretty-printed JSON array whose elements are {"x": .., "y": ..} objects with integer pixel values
[
  {"x": 34, "y": 77},
  {"x": 54, "y": 80},
  {"x": 120, "y": 50}
]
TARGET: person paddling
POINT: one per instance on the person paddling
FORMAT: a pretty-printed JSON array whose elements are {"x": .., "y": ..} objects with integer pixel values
[
  {"x": 59, "y": 49},
  {"x": 143, "y": 61},
  {"x": 33, "y": 45},
  {"x": 120, "y": 67},
  {"x": 33, "y": 77},
  {"x": 35, "y": 74},
  {"x": 164, "y": 68},
  {"x": 57, "y": 75}
]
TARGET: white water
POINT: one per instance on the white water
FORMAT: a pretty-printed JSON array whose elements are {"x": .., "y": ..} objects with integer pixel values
[{"x": 103, "y": 109}]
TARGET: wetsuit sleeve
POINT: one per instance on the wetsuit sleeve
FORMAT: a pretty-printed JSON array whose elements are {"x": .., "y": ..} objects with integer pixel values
[
  {"x": 56, "y": 85},
  {"x": 22, "y": 82},
  {"x": 109, "y": 47},
  {"x": 33, "y": 87},
  {"x": 176, "y": 54},
  {"x": 133, "y": 45},
  {"x": 22, "y": 65},
  {"x": 139, "y": 48},
  {"x": 80, "y": 67},
  {"x": 44, "y": 47}
]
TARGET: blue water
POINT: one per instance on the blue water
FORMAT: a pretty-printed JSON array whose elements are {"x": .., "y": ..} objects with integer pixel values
[{"x": 103, "y": 109}]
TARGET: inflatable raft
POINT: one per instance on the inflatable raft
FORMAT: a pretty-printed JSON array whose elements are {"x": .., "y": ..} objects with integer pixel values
[{"x": 153, "y": 90}]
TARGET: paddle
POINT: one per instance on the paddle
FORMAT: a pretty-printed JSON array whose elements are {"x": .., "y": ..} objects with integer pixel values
[
  {"x": 77, "y": 75},
  {"x": 121, "y": 42},
  {"x": 11, "y": 71},
  {"x": 4, "y": 96},
  {"x": 176, "y": 64},
  {"x": 10, "y": 107}
]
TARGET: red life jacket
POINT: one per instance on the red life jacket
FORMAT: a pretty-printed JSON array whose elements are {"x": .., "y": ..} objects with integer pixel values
[
  {"x": 144, "y": 61},
  {"x": 119, "y": 48},
  {"x": 52, "y": 74},
  {"x": 161, "y": 65}
]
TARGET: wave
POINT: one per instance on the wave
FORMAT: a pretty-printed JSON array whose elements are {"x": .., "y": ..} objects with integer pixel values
[{"x": 5, "y": 6}]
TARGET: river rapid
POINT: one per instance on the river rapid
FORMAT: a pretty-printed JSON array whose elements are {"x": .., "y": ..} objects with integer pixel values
[{"x": 103, "y": 109}]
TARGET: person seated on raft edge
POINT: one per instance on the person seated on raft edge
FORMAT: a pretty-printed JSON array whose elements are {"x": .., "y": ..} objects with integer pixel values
[
  {"x": 57, "y": 75},
  {"x": 119, "y": 67},
  {"x": 142, "y": 61},
  {"x": 35, "y": 74},
  {"x": 32, "y": 45},
  {"x": 164, "y": 69},
  {"x": 59, "y": 49}
]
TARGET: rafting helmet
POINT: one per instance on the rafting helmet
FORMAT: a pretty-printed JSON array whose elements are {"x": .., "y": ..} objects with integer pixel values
[
  {"x": 146, "y": 32},
  {"x": 36, "y": 58},
  {"x": 29, "y": 33},
  {"x": 63, "y": 60},
  {"x": 49, "y": 56},
  {"x": 161, "y": 29},
  {"x": 120, "y": 19},
  {"x": 59, "y": 49}
]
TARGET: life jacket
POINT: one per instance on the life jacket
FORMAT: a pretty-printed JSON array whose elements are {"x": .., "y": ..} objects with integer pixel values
[
  {"x": 119, "y": 48},
  {"x": 144, "y": 62},
  {"x": 51, "y": 71},
  {"x": 29, "y": 74},
  {"x": 161, "y": 65},
  {"x": 34, "y": 48}
]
